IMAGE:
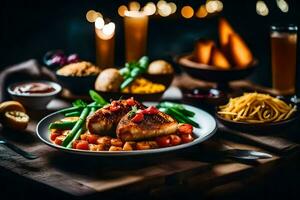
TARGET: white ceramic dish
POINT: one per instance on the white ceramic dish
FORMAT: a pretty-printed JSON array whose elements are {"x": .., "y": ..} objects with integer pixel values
[
  {"x": 208, "y": 127},
  {"x": 35, "y": 101}
]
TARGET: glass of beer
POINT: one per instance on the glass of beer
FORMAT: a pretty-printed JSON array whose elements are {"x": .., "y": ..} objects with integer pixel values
[
  {"x": 136, "y": 28},
  {"x": 283, "y": 48}
]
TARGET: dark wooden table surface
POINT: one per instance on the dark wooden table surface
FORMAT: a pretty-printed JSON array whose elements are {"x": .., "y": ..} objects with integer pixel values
[{"x": 194, "y": 171}]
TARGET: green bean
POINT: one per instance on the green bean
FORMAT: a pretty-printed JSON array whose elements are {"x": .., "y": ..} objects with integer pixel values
[
  {"x": 77, "y": 126},
  {"x": 177, "y": 106},
  {"x": 72, "y": 114},
  {"x": 183, "y": 117},
  {"x": 78, "y": 133},
  {"x": 63, "y": 125},
  {"x": 127, "y": 82},
  {"x": 97, "y": 98},
  {"x": 71, "y": 109}
]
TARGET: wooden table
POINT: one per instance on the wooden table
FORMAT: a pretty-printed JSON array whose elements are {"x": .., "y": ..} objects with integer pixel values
[{"x": 192, "y": 171}]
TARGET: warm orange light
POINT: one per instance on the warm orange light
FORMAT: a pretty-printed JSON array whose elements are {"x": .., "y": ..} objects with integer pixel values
[
  {"x": 202, "y": 12},
  {"x": 121, "y": 10},
  {"x": 134, "y": 5},
  {"x": 187, "y": 12},
  {"x": 92, "y": 15}
]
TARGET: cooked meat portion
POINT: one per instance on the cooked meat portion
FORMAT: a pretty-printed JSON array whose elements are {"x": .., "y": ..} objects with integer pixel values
[
  {"x": 104, "y": 121},
  {"x": 151, "y": 126}
]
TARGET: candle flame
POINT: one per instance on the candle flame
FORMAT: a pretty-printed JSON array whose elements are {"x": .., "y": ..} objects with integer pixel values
[
  {"x": 99, "y": 23},
  {"x": 109, "y": 29}
]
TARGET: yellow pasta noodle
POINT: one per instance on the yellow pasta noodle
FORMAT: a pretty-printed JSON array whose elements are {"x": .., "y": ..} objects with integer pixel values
[{"x": 256, "y": 108}]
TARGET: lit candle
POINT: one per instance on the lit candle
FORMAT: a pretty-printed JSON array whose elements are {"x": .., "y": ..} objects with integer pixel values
[
  {"x": 105, "y": 43},
  {"x": 136, "y": 27}
]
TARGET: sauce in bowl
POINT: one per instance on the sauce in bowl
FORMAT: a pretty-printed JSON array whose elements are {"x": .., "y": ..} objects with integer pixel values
[{"x": 33, "y": 88}]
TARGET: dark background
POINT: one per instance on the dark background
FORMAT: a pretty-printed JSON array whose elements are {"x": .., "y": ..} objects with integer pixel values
[{"x": 31, "y": 28}]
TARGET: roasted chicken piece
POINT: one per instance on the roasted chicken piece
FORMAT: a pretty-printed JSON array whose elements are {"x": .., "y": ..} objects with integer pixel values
[
  {"x": 104, "y": 121},
  {"x": 151, "y": 126}
]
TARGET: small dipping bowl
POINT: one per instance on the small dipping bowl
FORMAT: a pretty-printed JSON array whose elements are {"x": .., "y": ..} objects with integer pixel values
[
  {"x": 205, "y": 97},
  {"x": 34, "y": 100}
]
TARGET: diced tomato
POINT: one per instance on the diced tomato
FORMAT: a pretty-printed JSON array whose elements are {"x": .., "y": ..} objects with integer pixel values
[
  {"x": 150, "y": 110},
  {"x": 185, "y": 129},
  {"x": 130, "y": 101},
  {"x": 53, "y": 135},
  {"x": 163, "y": 141},
  {"x": 83, "y": 145},
  {"x": 59, "y": 139},
  {"x": 74, "y": 144},
  {"x": 186, "y": 138},
  {"x": 114, "y": 106},
  {"x": 92, "y": 138},
  {"x": 138, "y": 117},
  {"x": 175, "y": 140}
]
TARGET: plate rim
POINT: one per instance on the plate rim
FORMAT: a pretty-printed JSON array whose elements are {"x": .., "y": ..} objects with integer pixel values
[{"x": 127, "y": 153}]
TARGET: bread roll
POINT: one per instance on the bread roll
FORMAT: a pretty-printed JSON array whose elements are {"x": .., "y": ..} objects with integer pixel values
[
  {"x": 240, "y": 53},
  {"x": 218, "y": 59},
  {"x": 202, "y": 51}
]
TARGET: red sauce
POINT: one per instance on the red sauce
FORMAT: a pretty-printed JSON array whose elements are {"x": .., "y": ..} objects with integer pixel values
[{"x": 33, "y": 88}]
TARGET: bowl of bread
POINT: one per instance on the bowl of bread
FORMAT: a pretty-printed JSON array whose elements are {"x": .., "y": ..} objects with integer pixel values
[{"x": 230, "y": 60}]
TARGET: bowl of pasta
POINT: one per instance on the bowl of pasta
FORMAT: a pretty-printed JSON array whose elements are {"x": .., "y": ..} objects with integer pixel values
[{"x": 257, "y": 113}]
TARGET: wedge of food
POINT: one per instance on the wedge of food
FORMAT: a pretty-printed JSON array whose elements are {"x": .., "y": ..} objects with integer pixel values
[
  {"x": 202, "y": 51},
  {"x": 145, "y": 124},
  {"x": 239, "y": 51},
  {"x": 225, "y": 30},
  {"x": 11, "y": 105},
  {"x": 219, "y": 60},
  {"x": 104, "y": 121},
  {"x": 13, "y": 115}
]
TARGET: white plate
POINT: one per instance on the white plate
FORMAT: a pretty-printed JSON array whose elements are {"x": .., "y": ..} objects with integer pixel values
[{"x": 208, "y": 127}]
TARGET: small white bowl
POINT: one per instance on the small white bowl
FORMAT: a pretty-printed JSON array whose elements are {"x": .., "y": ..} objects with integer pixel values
[{"x": 35, "y": 101}]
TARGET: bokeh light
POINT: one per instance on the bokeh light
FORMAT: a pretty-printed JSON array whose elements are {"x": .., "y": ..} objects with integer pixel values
[
  {"x": 202, "y": 12},
  {"x": 160, "y": 3},
  {"x": 92, "y": 15},
  {"x": 262, "y": 8},
  {"x": 99, "y": 23},
  {"x": 211, "y": 6},
  {"x": 149, "y": 8},
  {"x": 134, "y": 5},
  {"x": 121, "y": 10},
  {"x": 220, "y": 6},
  {"x": 187, "y": 12},
  {"x": 109, "y": 29},
  {"x": 164, "y": 10},
  {"x": 173, "y": 7},
  {"x": 283, "y": 5}
]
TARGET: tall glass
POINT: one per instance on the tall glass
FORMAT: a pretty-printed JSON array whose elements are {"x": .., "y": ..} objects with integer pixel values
[
  {"x": 283, "y": 48},
  {"x": 136, "y": 27}
]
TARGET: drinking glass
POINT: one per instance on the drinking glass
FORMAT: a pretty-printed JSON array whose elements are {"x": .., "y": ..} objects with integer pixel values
[{"x": 283, "y": 48}]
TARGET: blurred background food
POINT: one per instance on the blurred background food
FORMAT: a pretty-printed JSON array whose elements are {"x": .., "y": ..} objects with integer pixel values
[
  {"x": 233, "y": 51},
  {"x": 109, "y": 80},
  {"x": 173, "y": 34},
  {"x": 79, "y": 69},
  {"x": 136, "y": 77},
  {"x": 160, "y": 67}
]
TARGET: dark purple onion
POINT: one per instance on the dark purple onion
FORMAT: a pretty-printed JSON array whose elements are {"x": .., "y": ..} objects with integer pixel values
[{"x": 73, "y": 58}]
